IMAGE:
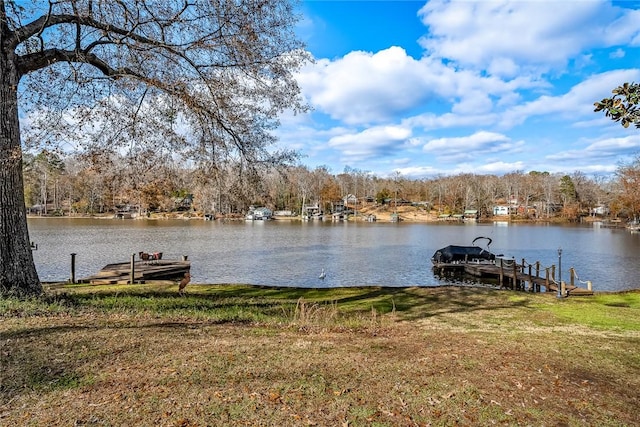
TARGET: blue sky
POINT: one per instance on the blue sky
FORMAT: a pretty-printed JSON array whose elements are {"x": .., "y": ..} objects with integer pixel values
[{"x": 446, "y": 87}]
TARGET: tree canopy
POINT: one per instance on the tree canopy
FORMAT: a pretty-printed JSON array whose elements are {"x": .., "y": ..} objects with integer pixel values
[
  {"x": 203, "y": 79},
  {"x": 623, "y": 105}
]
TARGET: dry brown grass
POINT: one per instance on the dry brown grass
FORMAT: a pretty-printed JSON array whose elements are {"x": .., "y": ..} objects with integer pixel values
[{"x": 503, "y": 363}]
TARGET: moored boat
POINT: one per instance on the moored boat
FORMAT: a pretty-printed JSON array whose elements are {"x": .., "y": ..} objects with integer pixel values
[{"x": 455, "y": 254}]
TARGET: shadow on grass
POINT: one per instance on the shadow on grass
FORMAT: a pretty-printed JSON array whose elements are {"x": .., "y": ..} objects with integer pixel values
[
  {"x": 243, "y": 303},
  {"x": 414, "y": 303}
]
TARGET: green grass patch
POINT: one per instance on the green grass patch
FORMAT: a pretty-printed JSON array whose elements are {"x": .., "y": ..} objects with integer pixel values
[{"x": 606, "y": 311}]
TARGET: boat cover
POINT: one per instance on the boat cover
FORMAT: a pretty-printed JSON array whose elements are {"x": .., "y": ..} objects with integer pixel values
[{"x": 454, "y": 253}]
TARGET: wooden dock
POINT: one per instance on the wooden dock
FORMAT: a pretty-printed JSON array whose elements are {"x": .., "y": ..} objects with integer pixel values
[
  {"x": 120, "y": 273},
  {"x": 511, "y": 275}
]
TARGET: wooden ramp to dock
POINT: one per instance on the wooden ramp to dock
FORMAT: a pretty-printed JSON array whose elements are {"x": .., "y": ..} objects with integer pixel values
[
  {"x": 512, "y": 275},
  {"x": 120, "y": 273}
]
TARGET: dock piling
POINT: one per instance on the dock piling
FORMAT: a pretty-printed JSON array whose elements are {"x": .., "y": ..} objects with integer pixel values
[
  {"x": 560, "y": 283},
  {"x": 572, "y": 275},
  {"x": 546, "y": 279},
  {"x": 73, "y": 269},
  {"x": 133, "y": 268}
]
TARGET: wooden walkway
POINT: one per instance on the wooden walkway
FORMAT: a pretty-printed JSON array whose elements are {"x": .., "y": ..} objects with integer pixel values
[
  {"x": 120, "y": 273},
  {"x": 512, "y": 275}
]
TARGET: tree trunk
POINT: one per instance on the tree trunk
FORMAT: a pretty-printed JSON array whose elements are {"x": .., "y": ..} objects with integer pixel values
[{"x": 18, "y": 274}]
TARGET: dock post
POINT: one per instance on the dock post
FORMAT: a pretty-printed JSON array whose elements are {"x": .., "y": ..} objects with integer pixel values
[
  {"x": 515, "y": 276},
  {"x": 532, "y": 286},
  {"x": 73, "y": 268},
  {"x": 546, "y": 279},
  {"x": 560, "y": 283},
  {"x": 572, "y": 275},
  {"x": 133, "y": 268},
  {"x": 501, "y": 274},
  {"x": 589, "y": 286}
]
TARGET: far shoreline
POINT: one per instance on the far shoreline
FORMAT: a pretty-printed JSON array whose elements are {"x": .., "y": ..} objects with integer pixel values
[{"x": 380, "y": 216}]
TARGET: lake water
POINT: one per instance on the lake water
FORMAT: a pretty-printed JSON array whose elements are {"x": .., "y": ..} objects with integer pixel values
[{"x": 293, "y": 253}]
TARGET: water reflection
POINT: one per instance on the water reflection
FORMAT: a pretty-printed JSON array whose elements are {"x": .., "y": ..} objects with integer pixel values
[{"x": 282, "y": 253}]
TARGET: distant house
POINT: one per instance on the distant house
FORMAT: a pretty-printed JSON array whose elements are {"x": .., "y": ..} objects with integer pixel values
[
  {"x": 350, "y": 199},
  {"x": 183, "y": 203},
  {"x": 600, "y": 210},
  {"x": 338, "y": 206},
  {"x": 396, "y": 202},
  {"x": 260, "y": 213},
  {"x": 471, "y": 214},
  {"x": 501, "y": 210},
  {"x": 37, "y": 209},
  {"x": 263, "y": 213},
  {"x": 310, "y": 210}
]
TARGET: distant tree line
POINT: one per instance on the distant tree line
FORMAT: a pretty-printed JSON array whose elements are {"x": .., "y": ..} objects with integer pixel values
[{"x": 101, "y": 183}]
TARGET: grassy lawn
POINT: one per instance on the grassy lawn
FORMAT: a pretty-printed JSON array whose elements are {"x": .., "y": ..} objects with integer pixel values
[{"x": 245, "y": 355}]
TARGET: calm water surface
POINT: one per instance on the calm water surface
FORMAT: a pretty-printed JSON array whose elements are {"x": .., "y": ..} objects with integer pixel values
[{"x": 283, "y": 253}]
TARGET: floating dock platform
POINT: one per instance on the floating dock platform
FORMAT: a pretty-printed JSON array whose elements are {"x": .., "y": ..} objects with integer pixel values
[{"x": 120, "y": 273}]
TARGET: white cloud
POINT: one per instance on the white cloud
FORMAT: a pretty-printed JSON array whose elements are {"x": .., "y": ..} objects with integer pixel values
[
  {"x": 575, "y": 103},
  {"x": 482, "y": 141},
  {"x": 418, "y": 171},
  {"x": 538, "y": 36},
  {"x": 364, "y": 88},
  {"x": 430, "y": 121},
  {"x": 370, "y": 143},
  {"x": 367, "y": 88},
  {"x": 623, "y": 30},
  {"x": 604, "y": 149},
  {"x": 473, "y": 148},
  {"x": 498, "y": 168},
  {"x": 617, "y": 54}
]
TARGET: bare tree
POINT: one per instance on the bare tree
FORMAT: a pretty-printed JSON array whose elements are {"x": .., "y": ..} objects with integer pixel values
[
  {"x": 628, "y": 177},
  {"x": 196, "y": 77}
]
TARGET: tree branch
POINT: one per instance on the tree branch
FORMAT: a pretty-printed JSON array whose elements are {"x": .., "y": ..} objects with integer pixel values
[
  {"x": 43, "y": 59},
  {"x": 49, "y": 20}
]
